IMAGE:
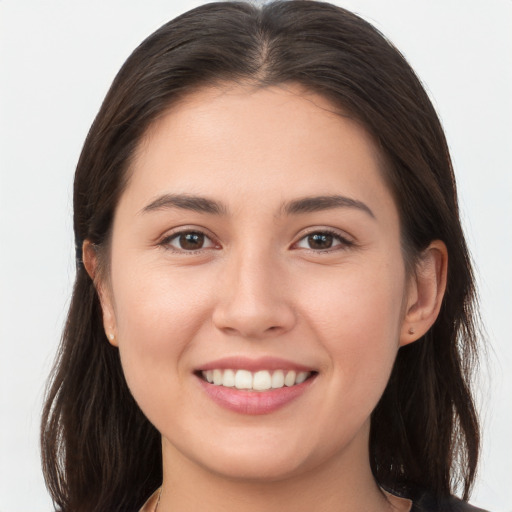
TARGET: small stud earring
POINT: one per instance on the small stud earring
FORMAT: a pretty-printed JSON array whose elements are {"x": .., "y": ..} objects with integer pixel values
[
  {"x": 411, "y": 330},
  {"x": 111, "y": 336}
]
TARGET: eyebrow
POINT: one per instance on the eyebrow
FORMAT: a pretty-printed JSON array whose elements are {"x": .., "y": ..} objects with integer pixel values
[
  {"x": 319, "y": 203},
  {"x": 186, "y": 202},
  {"x": 297, "y": 206}
]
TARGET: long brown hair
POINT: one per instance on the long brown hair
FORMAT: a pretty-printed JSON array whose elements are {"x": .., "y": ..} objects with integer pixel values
[{"x": 99, "y": 451}]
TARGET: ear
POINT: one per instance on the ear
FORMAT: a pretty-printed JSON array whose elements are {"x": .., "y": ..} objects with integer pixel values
[
  {"x": 90, "y": 259},
  {"x": 425, "y": 293}
]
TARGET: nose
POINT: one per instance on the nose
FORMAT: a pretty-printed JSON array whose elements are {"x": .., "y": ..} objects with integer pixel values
[{"x": 254, "y": 300}]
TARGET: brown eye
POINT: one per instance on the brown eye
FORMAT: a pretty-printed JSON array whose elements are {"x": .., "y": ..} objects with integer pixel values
[
  {"x": 320, "y": 241},
  {"x": 191, "y": 241},
  {"x": 188, "y": 241},
  {"x": 323, "y": 241}
]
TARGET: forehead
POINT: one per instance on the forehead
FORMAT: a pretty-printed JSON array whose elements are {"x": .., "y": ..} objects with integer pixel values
[
  {"x": 209, "y": 114},
  {"x": 255, "y": 141}
]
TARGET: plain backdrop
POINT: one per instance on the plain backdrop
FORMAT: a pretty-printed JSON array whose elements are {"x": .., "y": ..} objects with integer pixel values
[{"x": 57, "y": 59}]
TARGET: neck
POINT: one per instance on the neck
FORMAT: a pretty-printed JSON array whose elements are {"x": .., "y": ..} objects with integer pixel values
[{"x": 341, "y": 484}]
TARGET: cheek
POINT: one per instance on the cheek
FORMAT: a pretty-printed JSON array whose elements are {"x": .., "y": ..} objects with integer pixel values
[
  {"x": 357, "y": 315},
  {"x": 157, "y": 316}
]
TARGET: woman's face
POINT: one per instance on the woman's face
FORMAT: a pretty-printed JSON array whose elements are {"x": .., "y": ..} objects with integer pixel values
[{"x": 257, "y": 238}]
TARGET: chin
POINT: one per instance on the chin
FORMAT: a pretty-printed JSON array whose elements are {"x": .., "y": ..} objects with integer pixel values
[
  {"x": 256, "y": 469},
  {"x": 250, "y": 459}
]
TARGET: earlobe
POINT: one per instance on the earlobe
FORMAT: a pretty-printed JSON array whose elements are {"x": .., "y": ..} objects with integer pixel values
[
  {"x": 90, "y": 259},
  {"x": 425, "y": 293}
]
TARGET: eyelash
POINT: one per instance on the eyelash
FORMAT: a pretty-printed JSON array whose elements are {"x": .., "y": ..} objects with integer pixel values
[
  {"x": 166, "y": 242},
  {"x": 343, "y": 242}
]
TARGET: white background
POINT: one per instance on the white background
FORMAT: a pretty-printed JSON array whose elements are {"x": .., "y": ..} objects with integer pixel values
[{"x": 57, "y": 59}]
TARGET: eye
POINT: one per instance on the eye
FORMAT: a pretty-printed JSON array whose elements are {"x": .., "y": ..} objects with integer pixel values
[
  {"x": 323, "y": 241},
  {"x": 188, "y": 241}
]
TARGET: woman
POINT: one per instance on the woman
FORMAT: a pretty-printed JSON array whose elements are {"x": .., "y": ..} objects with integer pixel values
[{"x": 268, "y": 237}]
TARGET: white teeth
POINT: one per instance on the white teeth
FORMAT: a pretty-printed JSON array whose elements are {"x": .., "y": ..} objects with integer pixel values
[
  {"x": 261, "y": 381},
  {"x": 217, "y": 377},
  {"x": 301, "y": 377},
  {"x": 243, "y": 379},
  {"x": 278, "y": 379},
  {"x": 229, "y": 379},
  {"x": 258, "y": 381},
  {"x": 289, "y": 380}
]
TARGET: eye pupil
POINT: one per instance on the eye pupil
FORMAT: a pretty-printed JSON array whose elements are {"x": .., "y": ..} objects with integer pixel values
[
  {"x": 191, "y": 241},
  {"x": 320, "y": 241}
]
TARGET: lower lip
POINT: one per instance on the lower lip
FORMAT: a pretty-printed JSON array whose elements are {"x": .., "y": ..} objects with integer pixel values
[{"x": 254, "y": 402}]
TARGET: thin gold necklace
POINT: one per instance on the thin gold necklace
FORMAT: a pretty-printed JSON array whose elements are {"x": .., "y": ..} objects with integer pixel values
[{"x": 160, "y": 495}]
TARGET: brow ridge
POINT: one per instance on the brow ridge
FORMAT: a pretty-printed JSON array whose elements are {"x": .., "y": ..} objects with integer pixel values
[
  {"x": 299, "y": 206},
  {"x": 186, "y": 202},
  {"x": 320, "y": 203}
]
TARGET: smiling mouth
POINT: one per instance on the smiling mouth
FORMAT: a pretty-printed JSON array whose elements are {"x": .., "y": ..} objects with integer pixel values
[{"x": 263, "y": 380}]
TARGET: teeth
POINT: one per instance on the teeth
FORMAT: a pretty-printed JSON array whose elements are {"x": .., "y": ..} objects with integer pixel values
[
  {"x": 217, "y": 377},
  {"x": 229, "y": 379},
  {"x": 301, "y": 377},
  {"x": 257, "y": 381},
  {"x": 261, "y": 381},
  {"x": 289, "y": 380},
  {"x": 243, "y": 379},
  {"x": 278, "y": 379}
]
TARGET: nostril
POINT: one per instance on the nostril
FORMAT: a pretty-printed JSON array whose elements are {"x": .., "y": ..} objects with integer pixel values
[{"x": 254, "y": 318}]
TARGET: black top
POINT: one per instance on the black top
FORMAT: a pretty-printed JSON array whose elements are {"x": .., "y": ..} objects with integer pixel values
[{"x": 426, "y": 503}]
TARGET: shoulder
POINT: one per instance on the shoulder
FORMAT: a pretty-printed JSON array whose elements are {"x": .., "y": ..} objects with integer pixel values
[
  {"x": 152, "y": 502},
  {"x": 427, "y": 503}
]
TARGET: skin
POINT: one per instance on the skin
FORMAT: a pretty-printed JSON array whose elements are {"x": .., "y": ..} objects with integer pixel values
[{"x": 257, "y": 288}]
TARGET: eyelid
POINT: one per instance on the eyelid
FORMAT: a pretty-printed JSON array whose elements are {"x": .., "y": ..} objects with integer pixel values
[
  {"x": 345, "y": 240},
  {"x": 174, "y": 233}
]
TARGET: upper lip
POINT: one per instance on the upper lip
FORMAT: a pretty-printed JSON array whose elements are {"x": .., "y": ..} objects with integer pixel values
[{"x": 254, "y": 364}]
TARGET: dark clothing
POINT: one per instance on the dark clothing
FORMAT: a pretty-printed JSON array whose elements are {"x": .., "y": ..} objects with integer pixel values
[{"x": 426, "y": 503}]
